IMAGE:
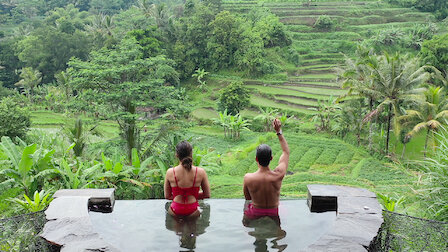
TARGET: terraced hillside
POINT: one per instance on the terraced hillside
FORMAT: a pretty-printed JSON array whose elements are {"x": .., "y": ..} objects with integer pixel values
[
  {"x": 313, "y": 160},
  {"x": 322, "y": 50}
]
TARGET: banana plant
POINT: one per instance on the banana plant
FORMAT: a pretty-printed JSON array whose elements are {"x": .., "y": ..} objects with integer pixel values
[
  {"x": 40, "y": 201},
  {"x": 26, "y": 166}
]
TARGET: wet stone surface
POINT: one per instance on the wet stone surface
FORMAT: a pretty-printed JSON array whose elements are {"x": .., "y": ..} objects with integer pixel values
[
  {"x": 359, "y": 217},
  {"x": 69, "y": 224}
]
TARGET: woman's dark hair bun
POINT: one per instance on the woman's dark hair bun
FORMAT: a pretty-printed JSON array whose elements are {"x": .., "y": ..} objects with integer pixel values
[
  {"x": 187, "y": 163},
  {"x": 184, "y": 152}
]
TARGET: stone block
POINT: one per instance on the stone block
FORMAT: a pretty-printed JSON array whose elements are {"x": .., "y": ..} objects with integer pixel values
[
  {"x": 71, "y": 229},
  {"x": 100, "y": 200},
  {"x": 98, "y": 245},
  {"x": 68, "y": 207},
  {"x": 358, "y": 205}
]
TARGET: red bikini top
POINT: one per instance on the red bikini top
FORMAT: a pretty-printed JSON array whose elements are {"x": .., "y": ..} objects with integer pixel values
[{"x": 186, "y": 191}]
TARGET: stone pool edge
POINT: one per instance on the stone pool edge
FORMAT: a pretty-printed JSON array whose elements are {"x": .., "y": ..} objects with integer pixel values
[
  {"x": 358, "y": 217},
  {"x": 68, "y": 222}
]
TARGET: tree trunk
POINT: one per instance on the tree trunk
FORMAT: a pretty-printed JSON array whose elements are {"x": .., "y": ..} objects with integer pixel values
[
  {"x": 404, "y": 150},
  {"x": 370, "y": 125},
  {"x": 389, "y": 117},
  {"x": 130, "y": 131},
  {"x": 426, "y": 141},
  {"x": 358, "y": 137}
]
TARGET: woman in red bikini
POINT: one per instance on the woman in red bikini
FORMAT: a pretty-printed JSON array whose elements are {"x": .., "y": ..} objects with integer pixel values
[{"x": 182, "y": 184}]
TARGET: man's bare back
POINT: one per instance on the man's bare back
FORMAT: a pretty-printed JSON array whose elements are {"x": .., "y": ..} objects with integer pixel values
[{"x": 263, "y": 186}]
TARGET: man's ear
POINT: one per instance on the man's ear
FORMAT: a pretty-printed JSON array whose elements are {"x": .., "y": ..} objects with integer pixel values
[
  {"x": 271, "y": 157},
  {"x": 256, "y": 159}
]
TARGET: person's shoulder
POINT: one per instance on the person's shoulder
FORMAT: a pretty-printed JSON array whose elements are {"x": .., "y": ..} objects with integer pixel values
[
  {"x": 248, "y": 176},
  {"x": 201, "y": 170},
  {"x": 169, "y": 171}
]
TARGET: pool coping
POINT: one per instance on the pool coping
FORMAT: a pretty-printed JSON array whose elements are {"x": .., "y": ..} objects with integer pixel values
[{"x": 358, "y": 219}]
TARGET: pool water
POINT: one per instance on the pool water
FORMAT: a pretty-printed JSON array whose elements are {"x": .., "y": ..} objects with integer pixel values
[{"x": 144, "y": 225}]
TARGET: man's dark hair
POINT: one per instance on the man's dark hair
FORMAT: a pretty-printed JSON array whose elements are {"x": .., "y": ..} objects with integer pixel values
[{"x": 264, "y": 154}]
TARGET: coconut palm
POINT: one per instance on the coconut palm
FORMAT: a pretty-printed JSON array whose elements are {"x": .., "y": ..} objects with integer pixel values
[
  {"x": 429, "y": 114},
  {"x": 63, "y": 79},
  {"x": 145, "y": 6},
  {"x": 101, "y": 28},
  {"x": 395, "y": 78},
  {"x": 355, "y": 77}
]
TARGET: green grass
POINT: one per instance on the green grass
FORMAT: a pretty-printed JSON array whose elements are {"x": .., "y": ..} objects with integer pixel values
[
  {"x": 204, "y": 113},
  {"x": 265, "y": 102},
  {"x": 283, "y": 91},
  {"x": 328, "y": 76},
  {"x": 43, "y": 119},
  {"x": 321, "y": 91},
  {"x": 297, "y": 101}
]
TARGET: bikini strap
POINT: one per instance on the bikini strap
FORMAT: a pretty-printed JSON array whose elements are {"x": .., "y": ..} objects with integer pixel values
[
  {"x": 194, "y": 181},
  {"x": 175, "y": 176}
]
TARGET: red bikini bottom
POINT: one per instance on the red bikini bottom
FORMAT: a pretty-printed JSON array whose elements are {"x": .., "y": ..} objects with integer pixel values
[
  {"x": 184, "y": 209},
  {"x": 252, "y": 213}
]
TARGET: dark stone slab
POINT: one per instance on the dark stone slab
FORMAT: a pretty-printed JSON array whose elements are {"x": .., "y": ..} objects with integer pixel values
[
  {"x": 100, "y": 200},
  {"x": 318, "y": 204},
  {"x": 322, "y": 198}
]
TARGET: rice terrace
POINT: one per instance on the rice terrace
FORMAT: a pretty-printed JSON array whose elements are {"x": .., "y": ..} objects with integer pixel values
[{"x": 98, "y": 94}]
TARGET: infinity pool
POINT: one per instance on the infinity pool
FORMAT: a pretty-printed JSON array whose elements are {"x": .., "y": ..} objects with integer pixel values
[{"x": 145, "y": 226}]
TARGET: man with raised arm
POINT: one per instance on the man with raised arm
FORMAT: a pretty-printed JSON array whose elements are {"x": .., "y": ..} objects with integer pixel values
[{"x": 263, "y": 186}]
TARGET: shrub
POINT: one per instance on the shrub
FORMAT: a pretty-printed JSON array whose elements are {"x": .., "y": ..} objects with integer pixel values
[
  {"x": 14, "y": 120},
  {"x": 324, "y": 22},
  {"x": 434, "y": 196},
  {"x": 234, "y": 98}
]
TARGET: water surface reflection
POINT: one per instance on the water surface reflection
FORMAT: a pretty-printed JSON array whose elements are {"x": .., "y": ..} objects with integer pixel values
[
  {"x": 267, "y": 230},
  {"x": 188, "y": 228}
]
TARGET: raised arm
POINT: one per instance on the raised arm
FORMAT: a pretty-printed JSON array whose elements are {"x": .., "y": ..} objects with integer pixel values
[
  {"x": 284, "y": 158},
  {"x": 205, "y": 187}
]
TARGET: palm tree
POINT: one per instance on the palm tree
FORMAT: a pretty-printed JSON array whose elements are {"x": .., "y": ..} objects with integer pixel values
[
  {"x": 101, "y": 28},
  {"x": 63, "y": 80},
  {"x": 29, "y": 79},
  {"x": 78, "y": 135},
  {"x": 145, "y": 6},
  {"x": 161, "y": 15},
  {"x": 439, "y": 75},
  {"x": 430, "y": 113},
  {"x": 394, "y": 80},
  {"x": 356, "y": 78}
]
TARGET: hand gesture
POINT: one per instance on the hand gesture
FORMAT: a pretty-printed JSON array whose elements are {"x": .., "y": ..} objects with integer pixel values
[{"x": 277, "y": 125}]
